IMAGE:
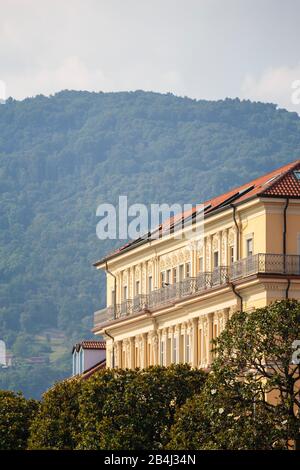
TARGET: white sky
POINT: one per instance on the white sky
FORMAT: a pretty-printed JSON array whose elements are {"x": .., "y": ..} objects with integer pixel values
[{"x": 208, "y": 49}]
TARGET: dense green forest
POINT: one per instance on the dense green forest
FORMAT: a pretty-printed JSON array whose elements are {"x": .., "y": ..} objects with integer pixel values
[{"x": 61, "y": 156}]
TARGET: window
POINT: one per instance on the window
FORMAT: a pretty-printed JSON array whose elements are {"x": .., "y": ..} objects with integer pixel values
[
  {"x": 74, "y": 363},
  {"x": 187, "y": 269},
  {"x": 271, "y": 179},
  {"x": 181, "y": 270},
  {"x": 174, "y": 352},
  {"x": 231, "y": 254},
  {"x": 149, "y": 359},
  {"x": 162, "y": 353},
  {"x": 181, "y": 348},
  {"x": 125, "y": 293},
  {"x": 216, "y": 259},
  {"x": 187, "y": 348},
  {"x": 150, "y": 287},
  {"x": 112, "y": 358},
  {"x": 249, "y": 246},
  {"x": 174, "y": 275},
  {"x": 137, "y": 357},
  {"x": 137, "y": 287},
  {"x": 200, "y": 264},
  {"x": 112, "y": 297},
  {"x": 81, "y": 362},
  {"x": 298, "y": 243},
  {"x": 162, "y": 278},
  {"x": 78, "y": 363},
  {"x": 168, "y": 276},
  {"x": 297, "y": 174},
  {"x": 200, "y": 347}
]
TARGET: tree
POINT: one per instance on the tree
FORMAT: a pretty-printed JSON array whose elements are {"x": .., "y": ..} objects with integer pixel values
[
  {"x": 222, "y": 418},
  {"x": 114, "y": 409},
  {"x": 126, "y": 409},
  {"x": 16, "y": 414},
  {"x": 251, "y": 400},
  {"x": 191, "y": 428},
  {"x": 258, "y": 348},
  {"x": 56, "y": 425}
]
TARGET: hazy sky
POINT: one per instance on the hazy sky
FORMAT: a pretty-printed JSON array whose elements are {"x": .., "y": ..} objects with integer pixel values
[{"x": 200, "y": 48}]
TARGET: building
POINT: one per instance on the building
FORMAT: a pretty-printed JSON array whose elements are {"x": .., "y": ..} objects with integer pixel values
[
  {"x": 5, "y": 356},
  {"x": 88, "y": 357},
  {"x": 168, "y": 298}
]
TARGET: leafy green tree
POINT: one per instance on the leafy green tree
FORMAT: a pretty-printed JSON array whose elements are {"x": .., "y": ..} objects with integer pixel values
[
  {"x": 191, "y": 429},
  {"x": 56, "y": 425},
  {"x": 22, "y": 346},
  {"x": 258, "y": 348},
  {"x": 134, "y": 409},
  {"x": 251, "y": 400},
  {"x": 220, "y": 418},
  {"x": 114, "y": 409},
  {"x": 16, "y": 414}
]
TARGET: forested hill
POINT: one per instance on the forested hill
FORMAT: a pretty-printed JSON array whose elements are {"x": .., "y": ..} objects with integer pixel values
[{"x": 62, "y": 156}]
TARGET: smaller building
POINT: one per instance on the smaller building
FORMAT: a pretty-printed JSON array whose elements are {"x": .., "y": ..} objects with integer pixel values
[
  {"x": 5, "y": 356},
  {"x": 88, "y": 355}
]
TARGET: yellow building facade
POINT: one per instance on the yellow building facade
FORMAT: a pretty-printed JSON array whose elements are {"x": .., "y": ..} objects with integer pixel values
[{"x": 168, "y": 298}]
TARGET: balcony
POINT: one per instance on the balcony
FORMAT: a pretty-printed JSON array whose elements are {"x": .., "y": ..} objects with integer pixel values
[
  {"x": 164, "y": 296},
  {"x": 261, "y": 263}
]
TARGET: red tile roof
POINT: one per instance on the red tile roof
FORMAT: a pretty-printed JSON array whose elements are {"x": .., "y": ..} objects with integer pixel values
[
  {"x": 265, "y": 186},
  {"x": 287, "y": 185},
  {"x": 89, "y": 344},
  {"x": 278, "y": 183},
  {"x": 93, "y": 344}
]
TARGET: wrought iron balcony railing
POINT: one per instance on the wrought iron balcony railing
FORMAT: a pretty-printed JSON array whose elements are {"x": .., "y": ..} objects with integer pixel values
[
  {"x": 219, "y": 276},
  {"x": 265, "y": 263},
  {"x": 260, "y": 263},
  {"x": 165, "y": 295},
  {"x": 104, "y": 315},
  {"x": 139, "y": 303}
]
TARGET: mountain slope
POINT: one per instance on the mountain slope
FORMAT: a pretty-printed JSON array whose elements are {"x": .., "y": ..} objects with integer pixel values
[{"x": 62, "y": 156}]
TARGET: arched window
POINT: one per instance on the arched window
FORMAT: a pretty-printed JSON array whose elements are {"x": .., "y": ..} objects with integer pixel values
[
  {"x": 74, "y": 362},
  {"x": 81, "y": 361}
]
